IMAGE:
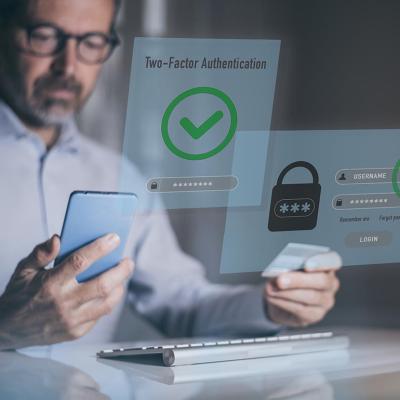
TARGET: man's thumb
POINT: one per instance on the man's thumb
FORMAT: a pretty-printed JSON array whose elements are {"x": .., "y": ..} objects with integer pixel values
[
  {"x": 324, "y": 262},
  {"x": 43, "y": 254}
]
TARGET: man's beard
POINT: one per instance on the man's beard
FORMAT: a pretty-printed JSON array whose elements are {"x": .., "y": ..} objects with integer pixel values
[
  {"x": 51, "y": 110},
  {"x": 41, "y": 108}
]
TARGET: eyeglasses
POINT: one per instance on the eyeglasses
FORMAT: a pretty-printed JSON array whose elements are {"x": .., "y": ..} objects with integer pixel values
[{"x": 45, "y": 40}]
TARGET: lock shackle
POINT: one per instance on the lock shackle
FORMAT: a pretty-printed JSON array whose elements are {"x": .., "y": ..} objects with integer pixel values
[{"x": 297, "y": 164}]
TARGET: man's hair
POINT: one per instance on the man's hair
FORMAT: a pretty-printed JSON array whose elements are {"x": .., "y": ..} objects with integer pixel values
[
  {"x": 10, "y": 10},
  {"x": 117, "y": 7}
]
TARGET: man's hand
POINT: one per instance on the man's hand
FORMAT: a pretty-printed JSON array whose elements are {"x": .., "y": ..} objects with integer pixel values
[
  {"x": 298, "y": 299},
  {"x": 41, "y": 307}
]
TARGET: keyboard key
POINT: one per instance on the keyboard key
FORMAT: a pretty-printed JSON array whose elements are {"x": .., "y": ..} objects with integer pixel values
[{"x": 283, "y": 338}]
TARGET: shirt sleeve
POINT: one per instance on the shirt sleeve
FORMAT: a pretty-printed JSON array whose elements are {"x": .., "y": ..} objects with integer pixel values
[{"x": 169, "y": 288}]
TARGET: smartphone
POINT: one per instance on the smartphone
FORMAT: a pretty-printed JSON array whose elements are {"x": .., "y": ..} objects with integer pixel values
[{"x": 91, "y": 215}]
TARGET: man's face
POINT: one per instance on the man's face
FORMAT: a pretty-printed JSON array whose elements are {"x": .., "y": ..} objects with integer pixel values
[{"x": 48, "y": 90}]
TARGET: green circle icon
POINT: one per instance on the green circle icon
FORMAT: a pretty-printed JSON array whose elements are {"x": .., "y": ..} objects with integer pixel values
[
  {"x": 395, "y": 175},
  {"x": 183, "y": 96}
]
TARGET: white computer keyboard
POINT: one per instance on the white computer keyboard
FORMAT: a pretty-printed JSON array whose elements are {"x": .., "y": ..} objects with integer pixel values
[{"x": 235, "y": 349}]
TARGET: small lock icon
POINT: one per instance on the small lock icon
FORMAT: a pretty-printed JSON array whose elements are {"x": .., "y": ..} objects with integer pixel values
[
  {"x": 294, "y": 207},
  {"x": 154, "y": 186}
]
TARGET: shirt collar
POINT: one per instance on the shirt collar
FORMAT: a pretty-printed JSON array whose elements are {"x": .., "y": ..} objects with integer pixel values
[{"x": 11, "y": 126}]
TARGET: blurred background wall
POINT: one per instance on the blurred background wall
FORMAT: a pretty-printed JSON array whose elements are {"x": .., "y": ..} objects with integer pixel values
[{"x": 339, "y": 69}]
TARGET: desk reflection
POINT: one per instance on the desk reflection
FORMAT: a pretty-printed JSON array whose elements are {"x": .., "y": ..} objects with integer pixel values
[
  {"x": 24, "y": 377},
  {"x": 370, "y": 369},
  {"x": 291, "y": 377}
]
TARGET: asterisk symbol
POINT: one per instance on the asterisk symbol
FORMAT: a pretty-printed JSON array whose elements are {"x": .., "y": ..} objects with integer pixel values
[
  {"x": 294, "y": 208},
  {"x": 306, "y": 207},
  {"x": 284, "y": 208}
]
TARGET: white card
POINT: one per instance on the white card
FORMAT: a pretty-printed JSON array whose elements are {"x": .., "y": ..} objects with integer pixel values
[{"x": 292, "y": 257}]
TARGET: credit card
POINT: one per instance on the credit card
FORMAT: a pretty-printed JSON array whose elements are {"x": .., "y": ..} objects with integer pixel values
[{"x": 292, "y": 257}]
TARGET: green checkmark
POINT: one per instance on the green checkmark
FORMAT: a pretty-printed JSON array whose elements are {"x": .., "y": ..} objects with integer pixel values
[{"x": 198, "y": 132}]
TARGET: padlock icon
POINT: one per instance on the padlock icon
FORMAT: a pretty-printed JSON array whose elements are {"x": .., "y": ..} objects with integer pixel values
[
  {"x": 294, "y": 207},
  {"x": 154, "y": 186}
]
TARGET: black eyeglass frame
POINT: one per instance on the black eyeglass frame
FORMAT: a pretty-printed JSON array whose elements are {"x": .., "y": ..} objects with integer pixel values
[{"x": 62, "y": 37}]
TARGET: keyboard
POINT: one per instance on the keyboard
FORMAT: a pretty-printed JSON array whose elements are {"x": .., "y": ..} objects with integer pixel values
[{"x": 235, "y": 349}]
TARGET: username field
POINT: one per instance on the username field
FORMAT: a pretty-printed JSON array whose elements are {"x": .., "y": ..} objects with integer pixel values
[{"x": 364, "y": 176}]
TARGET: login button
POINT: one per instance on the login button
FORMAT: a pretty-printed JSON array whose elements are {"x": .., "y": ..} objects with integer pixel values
[{"x": 369, "y": 239}]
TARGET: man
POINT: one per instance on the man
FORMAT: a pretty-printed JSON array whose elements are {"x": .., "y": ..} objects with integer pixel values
[{"x": 51, "y": 53}]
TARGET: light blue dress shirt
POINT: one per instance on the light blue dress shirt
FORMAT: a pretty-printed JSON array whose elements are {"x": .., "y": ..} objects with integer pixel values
[{"x": 168, "y": 288}]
